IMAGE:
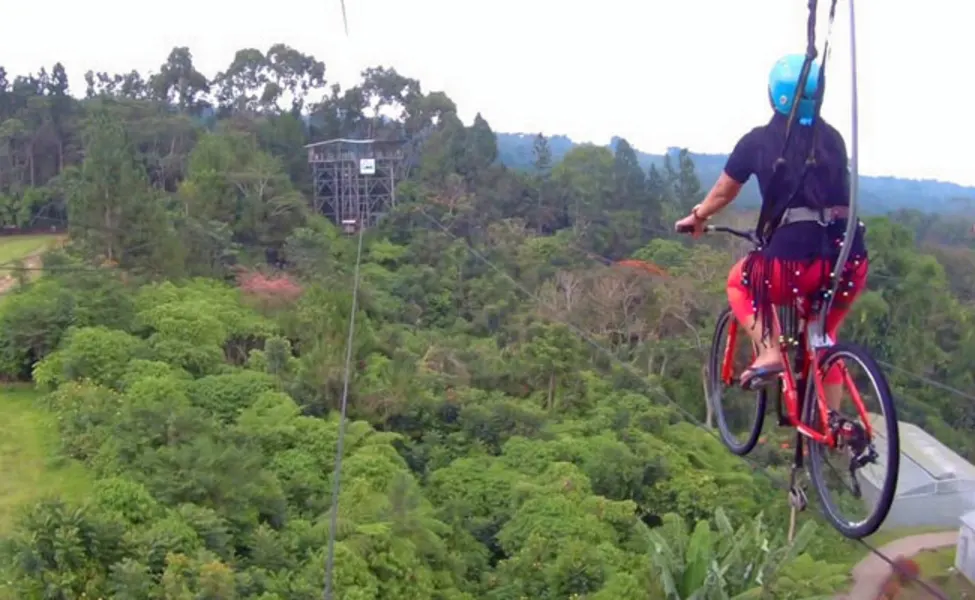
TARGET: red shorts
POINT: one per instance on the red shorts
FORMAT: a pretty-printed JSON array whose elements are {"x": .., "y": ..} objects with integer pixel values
[{"x": 806, "y": 280}]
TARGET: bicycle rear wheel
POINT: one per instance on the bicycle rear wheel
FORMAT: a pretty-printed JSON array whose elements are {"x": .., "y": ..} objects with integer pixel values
[
  {"x": 739, "y": 425},
  {"x": 866, "y": 454}
]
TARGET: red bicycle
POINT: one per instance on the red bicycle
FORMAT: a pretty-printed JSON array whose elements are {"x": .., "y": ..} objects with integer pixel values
[{"x": 807, "y": 358}]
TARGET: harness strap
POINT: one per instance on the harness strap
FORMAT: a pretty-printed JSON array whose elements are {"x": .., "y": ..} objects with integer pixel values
[
  {"x": 823, "y": 216},
  {"x": 811, "y": 54},
  {"x": 780, "y": 162},
  {"x": 820, "y": 87}
]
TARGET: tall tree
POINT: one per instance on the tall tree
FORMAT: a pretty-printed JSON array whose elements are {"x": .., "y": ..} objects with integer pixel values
[
  {"x": 113, "y": 213},
  {"x": 179, "y": 82},
  {"x": 541, "y": 154},
  {"x": 481, "y": 147},
  {"x": 629, "y": 178},
  {"x": 687, "y": 186}
]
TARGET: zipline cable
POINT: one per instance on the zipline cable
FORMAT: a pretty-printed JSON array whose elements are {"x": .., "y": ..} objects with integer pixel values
[
  {"x": 852, "y": 220},
  {"x": 932, "y": 382},
  {"x": 656, "y": 391},
  {"x": 343, "y": 409},
  {"x": 593, "y": 256},
  {"x": 771, "y": 214},
  {"x": 340, "y": 442},
  {"x": 609, "y": 262},
  {"x": 345, "y": 19}
]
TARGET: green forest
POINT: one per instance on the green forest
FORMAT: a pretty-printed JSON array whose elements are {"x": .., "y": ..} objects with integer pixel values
[{"x": 525, "y": 416}]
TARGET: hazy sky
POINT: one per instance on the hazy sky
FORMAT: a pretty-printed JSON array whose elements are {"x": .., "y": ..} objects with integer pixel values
[{"x": 676, "y": 73}]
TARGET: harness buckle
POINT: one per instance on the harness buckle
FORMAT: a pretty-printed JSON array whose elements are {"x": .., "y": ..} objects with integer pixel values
[{"x": 821, "y": 216}]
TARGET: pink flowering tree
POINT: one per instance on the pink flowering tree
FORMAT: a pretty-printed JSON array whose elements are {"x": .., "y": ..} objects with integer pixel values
[{"x": 269, "y": 291}]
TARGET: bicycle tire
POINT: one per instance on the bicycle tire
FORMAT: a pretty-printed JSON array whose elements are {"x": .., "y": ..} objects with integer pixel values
[
  {"x": 715, "y": 390},
  {"x": 885, "y": 497}
]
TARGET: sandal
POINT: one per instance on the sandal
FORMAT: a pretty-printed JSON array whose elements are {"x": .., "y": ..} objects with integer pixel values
[{"x": 759, "y": 377}]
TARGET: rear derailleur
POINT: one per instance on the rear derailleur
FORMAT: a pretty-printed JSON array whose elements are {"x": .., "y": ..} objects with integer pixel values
[{"x": 851, "y": 436}]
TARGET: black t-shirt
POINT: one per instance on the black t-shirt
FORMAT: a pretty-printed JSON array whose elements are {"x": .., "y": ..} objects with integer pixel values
[{"x": 825, "y": 186}]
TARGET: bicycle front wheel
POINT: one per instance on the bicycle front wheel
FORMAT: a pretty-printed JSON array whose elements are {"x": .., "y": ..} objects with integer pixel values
[
  {"x": 739, "y": 414},
  {"x": 869, "y": 464}
]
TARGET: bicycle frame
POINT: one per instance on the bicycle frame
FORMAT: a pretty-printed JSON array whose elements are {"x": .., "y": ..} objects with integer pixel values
[{"x": 805, "y": 351}]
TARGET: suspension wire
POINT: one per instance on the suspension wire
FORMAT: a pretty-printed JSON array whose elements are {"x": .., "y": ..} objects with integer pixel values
[
  {"x": 66, "y": 233},
  {"x": 852, "y": 221},
  {"x": 343, "y": 409},
  {"x": 894, "y": 565},
  {"x": 658, "y": 392},
  {"x": 770, "y": 214},
  {"x": 340, "y": 442},
  {"x": 810, "y": 56},
  {"x": 345, "y": 19},
  {"x": 336, "y": 485},
  {"x": 58, "y": 269},
  {"x": 11, "y": 265},
  {"x": 609, "y": 262},
  {"x": 16, "y": 264},
  {"x": 932, "y": 382},
  {"x": 329, "y": 569}
]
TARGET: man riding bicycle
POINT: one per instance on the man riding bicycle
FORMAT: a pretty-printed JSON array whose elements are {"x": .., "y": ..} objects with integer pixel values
[{"x": 802, "y": 222}]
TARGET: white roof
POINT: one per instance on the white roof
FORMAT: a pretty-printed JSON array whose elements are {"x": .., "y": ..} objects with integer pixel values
[{"x": 924, "y": 459}]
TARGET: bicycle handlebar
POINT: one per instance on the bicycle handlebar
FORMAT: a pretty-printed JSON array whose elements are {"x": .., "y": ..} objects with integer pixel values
[{"x": 747, "y": 235}]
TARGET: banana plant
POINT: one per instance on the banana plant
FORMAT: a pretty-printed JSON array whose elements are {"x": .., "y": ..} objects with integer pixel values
[{"x": 721, "y": 563}]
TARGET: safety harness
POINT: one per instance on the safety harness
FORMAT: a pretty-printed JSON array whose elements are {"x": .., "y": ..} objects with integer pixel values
[{"x": 757, "y": 275}]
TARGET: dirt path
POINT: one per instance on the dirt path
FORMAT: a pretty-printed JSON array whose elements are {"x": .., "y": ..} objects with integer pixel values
[
  {"x": 870, "y": 573},
  {"x": 8, "y": 281}
]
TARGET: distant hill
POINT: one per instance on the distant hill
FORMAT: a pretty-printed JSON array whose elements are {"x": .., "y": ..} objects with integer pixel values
[{"x": 877, "y": 194}]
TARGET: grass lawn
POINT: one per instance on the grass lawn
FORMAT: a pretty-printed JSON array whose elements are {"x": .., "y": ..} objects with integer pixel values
[
  {"x": 937, "y": 568},
  {"x": 849, "y": 552},
  {"x": 885, "y": 537},
  {"x": 18, "y": 246},
  {"x": 29, "y": 464}
]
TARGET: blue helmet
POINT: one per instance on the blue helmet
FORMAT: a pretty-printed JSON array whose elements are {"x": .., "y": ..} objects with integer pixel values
[{"x": 782, "y": 82}]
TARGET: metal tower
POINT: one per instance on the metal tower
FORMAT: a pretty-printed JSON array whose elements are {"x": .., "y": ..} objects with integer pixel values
[{"x": 355, "y": 180}]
